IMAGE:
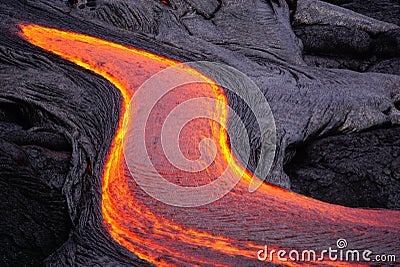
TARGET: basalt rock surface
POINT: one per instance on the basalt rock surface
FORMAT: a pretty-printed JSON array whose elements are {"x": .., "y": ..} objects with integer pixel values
[{"x": 334, "y": 91}]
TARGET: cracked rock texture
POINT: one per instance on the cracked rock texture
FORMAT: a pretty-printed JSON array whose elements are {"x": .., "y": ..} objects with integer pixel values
[{"x": 333, "y": 87}]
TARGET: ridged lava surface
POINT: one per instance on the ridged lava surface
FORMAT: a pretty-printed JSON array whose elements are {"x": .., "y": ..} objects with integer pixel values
[{"x": 229, "y": 231}]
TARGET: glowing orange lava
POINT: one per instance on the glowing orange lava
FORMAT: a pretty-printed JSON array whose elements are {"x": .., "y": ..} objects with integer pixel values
[
  {"x": 230, "y": 231},
  {"x": 165, "y": 2}
]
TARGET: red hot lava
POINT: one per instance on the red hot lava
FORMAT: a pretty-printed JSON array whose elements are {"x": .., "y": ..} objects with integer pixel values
[{"x": 227, "y": 232}]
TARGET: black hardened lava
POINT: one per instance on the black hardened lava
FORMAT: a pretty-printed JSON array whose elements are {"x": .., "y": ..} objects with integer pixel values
[
  {"x": 354, "y": 170},
  {"x": 334, "y": 92}
]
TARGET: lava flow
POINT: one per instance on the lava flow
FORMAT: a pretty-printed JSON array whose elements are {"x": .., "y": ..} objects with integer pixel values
[{"x": 231, "y": 230}]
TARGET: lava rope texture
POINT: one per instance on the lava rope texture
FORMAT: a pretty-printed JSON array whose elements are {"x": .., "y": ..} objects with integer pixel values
[{"x": 228, "y": 232}]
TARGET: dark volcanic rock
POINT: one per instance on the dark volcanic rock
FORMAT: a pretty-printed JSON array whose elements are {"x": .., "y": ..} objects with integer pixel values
[
  {"x": 339, "y": 46},
  {"x": 385, "y": 10},
  {"x": 355, "y": 170},
  {"x": 335, "y": 40},
  {"x": 387, "y": 44},
  {"x": 387, "y": 66},
  {"x": 34, "y": 219},
  {"x": 337, "y": 130}
]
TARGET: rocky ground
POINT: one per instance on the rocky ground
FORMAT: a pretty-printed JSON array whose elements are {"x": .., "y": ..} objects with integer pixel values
[{"x": 334, "y": 89}]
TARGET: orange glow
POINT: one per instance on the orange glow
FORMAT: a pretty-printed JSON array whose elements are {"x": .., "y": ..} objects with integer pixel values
[
  {"x": 165, "y": 2},
  {"x": 228, "y": 232}
]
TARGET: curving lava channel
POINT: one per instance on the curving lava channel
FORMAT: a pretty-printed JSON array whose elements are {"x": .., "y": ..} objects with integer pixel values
[{"x": 229, "y": 231}]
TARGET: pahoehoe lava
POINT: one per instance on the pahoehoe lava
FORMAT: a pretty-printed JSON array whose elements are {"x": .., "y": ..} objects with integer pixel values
[{"x": 61, "y": 133}]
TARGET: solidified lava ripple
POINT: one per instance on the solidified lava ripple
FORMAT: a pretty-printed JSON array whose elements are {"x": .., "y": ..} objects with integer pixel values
[{"x": 230, "y": 231}]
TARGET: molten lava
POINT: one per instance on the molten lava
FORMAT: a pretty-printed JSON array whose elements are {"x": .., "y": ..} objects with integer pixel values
[{"x": 230, "y": 231}]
